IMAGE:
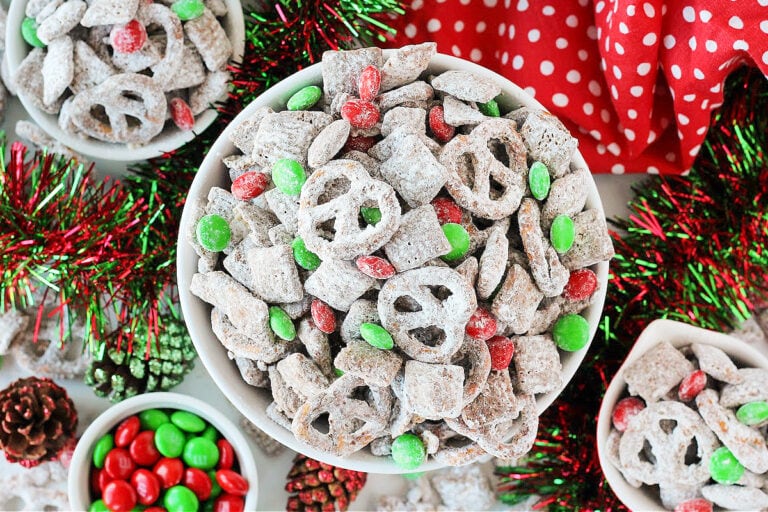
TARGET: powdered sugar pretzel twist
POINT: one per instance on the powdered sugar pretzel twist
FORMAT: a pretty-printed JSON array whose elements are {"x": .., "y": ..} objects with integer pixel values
[
  {"x": 449, "y": 315},
  {"x": 112, "y": 96},
  {"x": 350, "y": 240},
  {"x": 470, "y": 185},
  {"x": 352, "y": 423}
]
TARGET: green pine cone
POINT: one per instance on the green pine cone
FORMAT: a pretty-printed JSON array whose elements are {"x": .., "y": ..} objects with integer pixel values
[{"x": 117, "y": 375}]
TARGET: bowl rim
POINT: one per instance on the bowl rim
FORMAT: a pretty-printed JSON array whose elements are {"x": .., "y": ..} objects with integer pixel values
[
  {"x": 238, "y": 393},
  {"x": 170, "y": 139},
  {"x": 679, "y": 334},
  {"x": 78, "y": 486}
]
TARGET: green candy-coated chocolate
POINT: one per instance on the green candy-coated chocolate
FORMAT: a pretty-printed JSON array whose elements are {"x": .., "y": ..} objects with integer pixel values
[
  {"x": 371, "y": 215},
  {"x": 491, "y": 109},
  {"x": 413, "y": 476},
  {"x": 216, "y": 488},
  {"x": 180, "y": 499},
  {"x": 724, "y": 468},
  {"x": 98, "y": 506},
  {"x": 753, "y": 413},
  {"x": 188, "y": 422},
  {"x": 201, "y": 453},
  {"x": 458, "y": 238},
  {"x": 170, "y": 440},
  {"x": 562, "y": 233},
  {"x": 538, "y": 180},
  {"x": 571, "y": 332},
  {"x": 303, "y": 256},
  {"x": 101, "y": 449},
  {"x": 29, "y": 33},
  {"x": 408, "y": 451},
  {"x": 210, "y": 433},
  {"x": 338, "y": 372},
  {"x": 151, "y": 419},
  {"x": 209, "y": 505},
  {"x": 213, "y": 232},
  {"x": 188, "y": 9},
  {"x": 281, "y": 324},
  {"x": 305, "y": 98},
  {"x": 288, "y": 176},
  {"x": 377, "y": 336}
]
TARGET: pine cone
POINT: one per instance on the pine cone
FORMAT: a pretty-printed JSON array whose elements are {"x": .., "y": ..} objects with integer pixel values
[
  {"x": 320, "y": 487},
  {"x": 117, "y": 375},
  {"x": 37, "y": 419}
]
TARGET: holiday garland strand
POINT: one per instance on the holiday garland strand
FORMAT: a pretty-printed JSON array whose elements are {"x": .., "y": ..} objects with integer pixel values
[
  {"x": 692, "y": 249},
  {"x": 105, "y": 251}
]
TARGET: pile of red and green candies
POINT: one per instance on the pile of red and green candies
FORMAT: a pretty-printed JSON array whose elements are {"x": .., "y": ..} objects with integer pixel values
[{"x": 161, "y": 460}]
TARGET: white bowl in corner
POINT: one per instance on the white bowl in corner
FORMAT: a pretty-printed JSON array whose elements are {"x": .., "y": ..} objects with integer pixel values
[
  {"x": 251, "y": 401},
  {"x": 16, "y": 49},
  {"x": 679, "y": 335}
]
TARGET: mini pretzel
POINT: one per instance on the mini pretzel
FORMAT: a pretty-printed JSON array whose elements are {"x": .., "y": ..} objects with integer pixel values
[
  {"x": 449, "y": 315},
  {"x": 670, "y": 448},
  {"x": 474, "y": 192},
  {"x": 352, "y": 423},
  {"x": 111, "y": 95},
  {"x": 476, "y": 359},
  {"x": 165, "y": 71},
  {"x": 350, "y": 240}
]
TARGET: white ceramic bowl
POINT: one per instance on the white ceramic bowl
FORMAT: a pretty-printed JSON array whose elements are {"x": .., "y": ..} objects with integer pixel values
[
  {"x": 252, "y": 402},
  {"x": 78, "y": 485},
  {"x": 16, "y": 49},
  {"x": 679, "y": 335}
]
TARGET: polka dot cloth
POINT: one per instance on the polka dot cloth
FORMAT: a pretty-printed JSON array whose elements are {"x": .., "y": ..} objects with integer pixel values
[{"x": 635, "y": 81}]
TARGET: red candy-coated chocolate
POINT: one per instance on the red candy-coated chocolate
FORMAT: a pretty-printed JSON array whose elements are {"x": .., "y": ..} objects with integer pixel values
[
  {"x": 249, "y": 185},
  {"x": 481, "y": 325},
  {"x": 147, "y": 486},
  {"x": 323, "y": 316},
  {"x": 143, "y": 450},
  {"x": 360, "y": 114},
  {"x": 581, "y": 285},
  {"x": 375, "y": 267},
  {"x": 128, "y": 38},
  {"x": 625, "y": 410},
  {"x": 103, "y": 480},
  {"x": 692, "y": 385},
  {"x": 369, "y": 82},
  {"x": 155, "y": 509},
  {"x": 694, "y": 505},
  {"x": 127, "y": 431},
  {"x": 447, "y": 210},
  {"x": 359, "y": 143},
  {"x": 226, "y": 454},
  {"x": 95, "y": 476},
  {"x": 119, "y": 496},
  {"x": 169, "y": 471},
  {"x": 198, "y": 482},
  {"x": 502, "y": 349},
  {"x": 442, "y": 130},
  {"x": 181, "y": 113},
  {"x": 118, "y": 464},
  {"x": 229, "y": 503},
  {"x": 232, "y": 482}
]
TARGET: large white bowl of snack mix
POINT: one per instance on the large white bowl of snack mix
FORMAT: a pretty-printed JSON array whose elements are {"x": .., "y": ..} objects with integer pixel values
[
  {"x": 412, "y": 382},
  {"x": 682, "y": 424},
  {"x": 123, "y": 80}
]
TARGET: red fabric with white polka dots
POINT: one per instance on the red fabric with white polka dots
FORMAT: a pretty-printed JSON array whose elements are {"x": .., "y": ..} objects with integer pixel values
[{"x": 634, "y": 80}]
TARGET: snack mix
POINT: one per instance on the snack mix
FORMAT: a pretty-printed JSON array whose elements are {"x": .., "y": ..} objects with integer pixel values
[
  {"x": 118, "y": 70},
  {"x": 400, "y": 262},
  {"x": 693, "y": 425}
]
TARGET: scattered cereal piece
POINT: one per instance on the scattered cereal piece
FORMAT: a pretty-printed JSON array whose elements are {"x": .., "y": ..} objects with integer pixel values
[
  {"x": 537, "y": 364},
  {"x": 418, "y": 239},
  {"x": 734, "y": 497},
  {"x": 405, "y": 65},
  {"x": 328, "y": 143},
  {"x": 338, "y": 283},
  {"x": 66, "y": 17},
  {"x": 109, "y": 12},
  {"x": 212, "y": 43},
  {"x": 517, "y": 300},
  {"x": 274, "y": 274},
  {"x": 466, "y": 86},
  {"x": 377, "y": 368},
  {"x": 713, "y": 361},
  {"x": 656, "y": 372}
]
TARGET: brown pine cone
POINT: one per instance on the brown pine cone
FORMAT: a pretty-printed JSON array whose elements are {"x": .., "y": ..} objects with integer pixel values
[
  {"x": 37, "y": 418},
  {"x": 319, "y": 487}
]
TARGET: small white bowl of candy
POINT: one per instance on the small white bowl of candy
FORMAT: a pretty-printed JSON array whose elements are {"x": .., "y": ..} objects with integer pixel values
[
  {"x": 123, "y": 80},
  {"x": 682, "y": 424},
  {"x": 406, "y": 258}
]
